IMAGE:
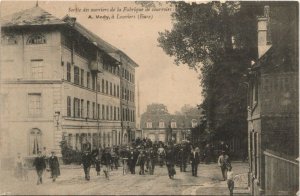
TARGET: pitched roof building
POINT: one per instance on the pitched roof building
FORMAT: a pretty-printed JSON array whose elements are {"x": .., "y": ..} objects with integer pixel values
[{"x": 60, "y": 82}]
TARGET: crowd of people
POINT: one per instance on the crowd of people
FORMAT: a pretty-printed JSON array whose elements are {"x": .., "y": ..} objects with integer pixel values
[{"x": 144, "y": 154}]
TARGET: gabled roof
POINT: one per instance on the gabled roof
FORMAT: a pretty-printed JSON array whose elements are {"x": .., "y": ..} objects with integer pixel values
[
  {"x": 33, "y": 16},
  {"x": 100, "y": 43},
  {"x": 37, "y": 16}
]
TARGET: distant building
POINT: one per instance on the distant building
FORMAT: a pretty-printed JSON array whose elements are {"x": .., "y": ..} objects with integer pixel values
[
  {"x": 158, "y": 125},
  {"x": 61, "y": 81},
  {"x": 273, "y": 105}
]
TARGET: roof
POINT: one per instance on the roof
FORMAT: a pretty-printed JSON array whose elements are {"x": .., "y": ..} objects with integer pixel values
[
  {"x": 283, "y": 54},
  {"x": 33, "y": 16},
  {"x": 100, "y": 43},
  {"x": 182, "y": 121},
  {"x": 37, "y": 16}
]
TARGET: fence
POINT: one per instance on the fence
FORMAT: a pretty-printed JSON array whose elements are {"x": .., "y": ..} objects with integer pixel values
[{"x": 281, "y": 175}]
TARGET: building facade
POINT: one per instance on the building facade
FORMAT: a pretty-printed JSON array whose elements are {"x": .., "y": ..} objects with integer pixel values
[
  {"x": 159, "y": 125},
  {"x": 60, "y": 81},
  {"x": 273, "y": 108}
]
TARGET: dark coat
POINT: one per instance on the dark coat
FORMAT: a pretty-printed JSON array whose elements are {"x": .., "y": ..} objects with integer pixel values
[
  {"x": 195, "y": 159},
  {"x": 87, "y": 160},
  {"x": 106, "y": 159},
  {"x": 141, "y": 159},
  {"x": 170, "y": 157},
  {"x": 54, "y": 166},
  {"x": 97, "y": 165},
  {"x": 182, "y": 155},
  {"x": 39, "y": 163}
]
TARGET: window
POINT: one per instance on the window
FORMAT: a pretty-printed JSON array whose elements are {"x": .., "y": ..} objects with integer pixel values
[
  {"x": 93, "y": 82},
  {"x": 68, "y": 72},
  {"x": 118, "y": 110},
  {"x": 69, "y": 106},
  {"x": 103, "y": 86},
  {"x": 82, "y": 77},
  {"x": 36, "y": 39},
  {"x": 34, "y": 104},
  {"x": 173, "y": 124},
  {"x": 88, "y": 109},
  {"x": 161, "y": 124},
  {"x": 76, "y": 108},
  {"x": 123, "y": 114},
  {"x": 149, "y": 124},
  {"x": 110, "y": 88},
  {"x": 9, "y": 40},
  {"x": 103, "y": 112},
  {"x": 88, "y": 75},
  {"x": 81, "y": 108},
  {"x": 76, "y": 75},
  {"x": 133, "y": 115},
  {"x": 111, "y": 113},
  {"x": 94, "y": 114},
  {"x": 115, "y": 116},
  {"x": 107, "y": 112},
  {"x": 118, "y": 89},
  {"x": 106, "y": 89},
  {"x": 114, "y": 90},
  {"x": 98, "y": 111},
  {"x": 122, "y": 92},
  {"x": 37, "y": 69},
  {"x": 35, "y": 141},
  {"x": 133, "y": 96}
]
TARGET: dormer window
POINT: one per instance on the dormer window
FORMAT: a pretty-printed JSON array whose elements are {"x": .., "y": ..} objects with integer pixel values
[
  {"x": 173, "y": 124},
  {"x": 161, "y": 124},
  {"x": 36, "y": 39},
  {"x": 149, "y": 124}
]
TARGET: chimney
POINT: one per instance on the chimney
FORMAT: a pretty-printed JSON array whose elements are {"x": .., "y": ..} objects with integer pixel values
[
  {"x": 263, "y": 30},
  {"x": 70, "y": 20}
]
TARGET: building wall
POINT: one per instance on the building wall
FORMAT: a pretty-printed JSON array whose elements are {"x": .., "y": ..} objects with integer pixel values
[
  {"x": 273, "y": 121},
  {"x": 19, "y": 83},
  {"x": 99, "y": 129},
  {"x": 54, "y": 88}
]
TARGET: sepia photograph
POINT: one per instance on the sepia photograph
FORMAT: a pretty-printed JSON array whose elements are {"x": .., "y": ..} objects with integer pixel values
[{"x": 149, "y": 97}]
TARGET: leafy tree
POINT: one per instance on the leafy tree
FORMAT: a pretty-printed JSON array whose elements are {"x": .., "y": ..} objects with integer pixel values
[
  {"x": 157, "y": 108},
  {"x": 219, "y": 39}
]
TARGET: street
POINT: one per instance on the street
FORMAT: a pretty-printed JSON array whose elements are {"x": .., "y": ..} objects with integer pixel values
[{"x": 72, "y": 182}]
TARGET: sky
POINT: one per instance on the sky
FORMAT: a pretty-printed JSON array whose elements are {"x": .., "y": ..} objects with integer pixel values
[{"x": 158, "y": 78}]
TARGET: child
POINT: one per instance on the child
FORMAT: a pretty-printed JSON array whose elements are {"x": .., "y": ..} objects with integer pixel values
[{"x": 230, "y": 180}]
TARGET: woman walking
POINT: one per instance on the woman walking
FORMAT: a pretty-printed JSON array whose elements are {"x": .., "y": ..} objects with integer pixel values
[{"x": 54, "y": 166}]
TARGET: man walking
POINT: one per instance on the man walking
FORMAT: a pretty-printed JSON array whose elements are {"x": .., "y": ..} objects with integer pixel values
[
  {"x": 182, "y": 156},
  {"x": 141, "y": 162},
  {"x": 54, "y": 166},
  {"x": 40, "y": 166},
  {"x": 170, "y": 161},
  {"x": 87, "y": 161},
  {"x": 106, "y": 160},
  {"x": 223, "y": 162},
  {"x": 195, "y": 159}
]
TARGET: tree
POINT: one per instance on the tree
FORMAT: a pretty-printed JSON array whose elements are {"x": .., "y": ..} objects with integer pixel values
[
  {"x": 219, "y": 39},
  {"x": 156, "y": 109}
]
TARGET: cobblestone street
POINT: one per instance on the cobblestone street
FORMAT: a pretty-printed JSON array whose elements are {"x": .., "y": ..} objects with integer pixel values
[{"x": 72, "y": 182}]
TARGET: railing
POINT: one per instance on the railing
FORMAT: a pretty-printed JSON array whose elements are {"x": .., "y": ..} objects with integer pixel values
[{"x": 281, "y": 175}]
